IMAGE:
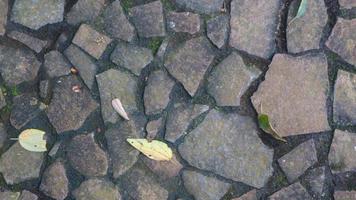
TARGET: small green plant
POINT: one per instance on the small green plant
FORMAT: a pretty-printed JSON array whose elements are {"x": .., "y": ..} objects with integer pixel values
[
  {"x": 168, "y": 4},
  {"x": 126, "y": 4},
  {"x": 14, "y": 91},
  {"x": 154, "y": 44}
]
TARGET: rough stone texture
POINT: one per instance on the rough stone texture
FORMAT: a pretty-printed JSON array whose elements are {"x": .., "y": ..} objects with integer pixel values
[
  {"x": 86, "y": 156},
  {"x": 230, "y": 79},
  {"x": 251, "y": 195},
  {"x": 3, "y": 135},
  {"x": 56, "y": 64},
  {"x": 35, "y": 14},
  {"x": 254, "y": 20},
  {"x": 17, "y": 65},
  {"x": 204, "y": 187},
  {"x": 116, "y": 84},
  {"x": 91, "y": 41},
  {"x": 235, "y": 143},
  {"x": 164, "y": 169},
  {"x": 55, "y": 182},
  {"x": 4, "y": 6},
  {"x": 68, "y": 109},
  {"x": 123, "y": 155},
  {"x": 93, "y": 189},
  {"x": 342, "y": 157},
  {"x": 45, "y": 89},
  {"x": 345, "y": 98},
  {"x": 84, "y": 11},
  {"x": 344, "y": 195},
  {"x": 316, "y": 179},
  {"x": 152, "y": 128},
  {"x": 189, "y": 62},
  {"x": 2, "y": 100},
  {"x": 132, "y": 57},
  {"x": 202, "y": 6},
  {"x": 348, "y": 4},
  {"x": 185, "y": 22},
  {"x": 295, "y": 191},
  {"x": 26, "y": 195},
  {"x": 148, "y": 19},
  {"x": 293, "y": 94},
  {"x": 157, "y": 91},
  {"x": 34, "y": 43},
  {"x": 8, "y": 195},
  {"x": 25, "y": 108},
  {"x": 343, "y": 40},
  {"x": 218, "y": 30},
  {"x": 116, "y": 23},
  {"x": 18, "y": 164}
]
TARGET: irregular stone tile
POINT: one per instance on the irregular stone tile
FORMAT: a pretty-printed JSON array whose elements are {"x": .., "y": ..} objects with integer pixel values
[
  {"x": 26, "y": 195},
  {"x": 312, "y": 23},
  {"x": 55, "y": 182},
  {"x": 295, "y": 191},
  {"x": 4, "y": 6},
  {"x": 294, "y": 94},
  {"x": 157, "y": 91},
  {"x": 345, "y": 98},
  {"x": 123, "y": 155},
  {"x": 185, "y": 22},
  {"x": 56, "y": 64},
  {"x": 35, "y": 14},
  {"x": 254, "y": 20},
  {"x": 3, "y": 135},
  {"x": 132, "y": 57},
  {"x": 34, "y": 43},
  {"x": 18, "y": 165},
  {"x": 164, "y": 169},
  {"x": 44, "y": 88},
  {"x": 204, "y": 187},
  {"x": 348, "y": 4},
  {"x": 85, "y": 155},
  {"x": 343, "y": 40},
  {"x": 116, "y": 84},
  {"x": 18, "y": 65},
  {"x": 69, "y": 109},
  {"x": 297, "y": 161},
  {"x": 222, "y": 141},
  {"x": 2, "y": 100},
  {"x": 316, "y": 179},
  {"x": 83, "y": 63},
  {"x": 189, "y": 62},
  {"x": 91, "y": 41},
  {"x": 152, "y": 128},
  {"x": 25, "y": 108},
  {"x": 251, "y": 195},
  {"x": 344, "y": 195},
  {"x": 230, "y": 79},
  {"x": 54, "y": 149},
  {"x": 116, "y": 23},
  {"x": 140, "y": 121},
  {"x": 202, "y": 6},
  {"x": 218, "y": 30},
  {"x": 148, "y": 19},
  {"x": 84, "y": 11},
  {"x": 8, "y": 195},
  {"x": 97, "y": 189},
  {"x": 341, "y": 156}
]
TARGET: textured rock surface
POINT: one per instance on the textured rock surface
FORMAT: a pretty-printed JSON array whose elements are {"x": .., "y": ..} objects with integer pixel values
[
  {"x": 34, "y": 43},
  {"x": 3, "y": 135},
  {"x": 295, "y": 191},
  {"x": 202, "y": 6},
  {"x": 235, "y": 140},
  {"x": 344, "y": 195},
  {"x": 56, "y": 64},
  {"x": 2, "y": 100},
  {"x": 347, "y": 3},
  {"x": 153, "y": 127},
  {"x": 317, "y": 180},
  {"x": 218, "y": 30},
  {"x": 45, "y": 89},
  {"x": 55, "y": 182},
  {"x": 4, "y": 6},
  {"x": 97, "y": 189},
  {"x": 26, "y": 195},
  {"x": 189, "y": 62},
  {"x": 293, "y": 94},
  {"x": 251, "y": 195},
  {"x": 8, "y": 195},
  {"x": 164, "y": 169},
  {"x": 185, "y": 22},
  {"x": 25, "y": 108},
  {"x": 84, "y": 11}
]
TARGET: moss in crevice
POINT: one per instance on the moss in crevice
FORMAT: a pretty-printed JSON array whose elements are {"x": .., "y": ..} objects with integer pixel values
[{"x": 154, "y": 44}]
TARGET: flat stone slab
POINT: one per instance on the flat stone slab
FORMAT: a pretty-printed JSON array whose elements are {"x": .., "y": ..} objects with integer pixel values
[
  {"x": 294, "y": 94},
  {"x": 164, "y": 169},
  {"x": 55, "y": 182},
  {"x": 344, "y": 195},
  {"x": 35, "y": 14},
  {"x": 236, "y": 152},
  {"x": 317, "y": 182},
  {"x": 8, "y": 195},
  {"x": 218, "y": 30},
  {"x": 4, "y": 6},
  {"x": 251, "y": 195},
  {"x": 95, "y": 188},
  {"x": 294, "y": 191},
  {"x": 185, "y": 22},
  {"x": 25, "y": 107},
  {"x": 34, "y": 43},
  {"x": 56, "y": 64},
  {"x": 26, "y": 195},
  {"x": 84, "y": 11},
  {"x": 254, "y": 20},
  {"x": 348, "y": 4},
  {"x": 343, "y": 40},
  {"x": 202, "y": 6}
]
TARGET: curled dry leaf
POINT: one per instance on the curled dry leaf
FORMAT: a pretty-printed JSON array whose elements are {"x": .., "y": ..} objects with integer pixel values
[
  {"x": 154, "y": 149},
  {"x": 265, "y": 125},
  {"x": 117, "y": 105},
  {"x": 33, "y": 140}
]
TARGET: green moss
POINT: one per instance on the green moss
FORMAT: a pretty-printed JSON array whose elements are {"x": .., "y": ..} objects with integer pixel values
[
  {"x": 168, "y": 4},
  {"x": 6, "y": 110},
  {"x": 154, "y": 44},
  {"x": 126, "y": 4},
  {"x": 14, "y": 91}
]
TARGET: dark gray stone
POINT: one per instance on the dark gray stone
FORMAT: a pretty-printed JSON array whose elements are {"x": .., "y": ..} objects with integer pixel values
[
  {"x": 45, "y": 89},
  {"x": 317, "y": 181},
  {"x": 56, "y": 64},
  {"x": 218, "y": 30},
  {"x": 345, "y": 195},
  {"x": 34, "y": 43},
  {"x": 202, "y": 6},
  {"x": 25, "y": 108},
  {"x": 295, "y": 191},
  {"x": 3, "y": 135},
  {"x": 251, "y": 195},
  {"x": 26, "y": 195},
  {"x": 55, "y": 182},
  {"x": 93, "y": 189},
  {"x": 4, "y": 6},
  {"x": 185, "y": 22},
  {"x": 84, "y": 11}
]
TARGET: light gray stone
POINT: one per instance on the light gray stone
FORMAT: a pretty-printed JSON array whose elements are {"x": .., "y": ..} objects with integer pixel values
[
  {"x": 26, "y": 195},
  {"x": 295, "y": 191},
  {"x": 164, "y": 169},
  {"x": 9, "y": 195},
  {"x": 34, "y": 43},
  {"x": 3, "y": 135},
  {"x": 185, "y": 22},
  {"x": 4, "y": 6},
  {"x": 2, "y": 100},
  {"x": 55, "y": 182},
  {"x": 84, "y": 11},
  {"x": 251, "y": 195},
  {"x": 202, "y": 6},
  {"x": 348, "y": 4},
  {"x": 93, "y": 189},
  {"x": 152, "y": 128},
  {"x": 345, "y": 195},
  {"x": 56, "y": 64},
  {"x": 218, "y": 30}
]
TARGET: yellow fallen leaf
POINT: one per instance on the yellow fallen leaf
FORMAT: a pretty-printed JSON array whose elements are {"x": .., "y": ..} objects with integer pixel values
[
  {"x": 33, "y": 140},
  {"x": 154, "y": 149}
]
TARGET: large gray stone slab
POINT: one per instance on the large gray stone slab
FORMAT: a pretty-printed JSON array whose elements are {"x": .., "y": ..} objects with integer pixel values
[
  {"x": 84, "y": 11},
  {"x": 185, "y": 22},
  {"x": 345, "y": 195},
  {"x": 202, "y": 6},
  {"x": 55, "y": 182},
  {"x": 25, "y": 108},
  {"x": 218, "y": 30},
  {"x": 8, "y": 195},
  {"x": 295, "y": 191},
  {"x": 34, "y": 43},
  {"x": 56, "y": 64}
]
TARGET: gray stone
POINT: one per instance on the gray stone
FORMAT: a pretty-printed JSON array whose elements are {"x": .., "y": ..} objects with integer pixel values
[
  {"x": 343, "y": 40},
  {"x": 251, "y": 195},
  {"x": 3, "y": 135},
  {"x": 202, "y": 6},
  {"x": 18, "y": 165},
  {"x": 56, "y": 64},
  {"x": 35, "y": 14},
  {"x": 189, "y": 62},
  {"x": 18, "y": 65},
  {"x": 55, "y": 182},
  {"x": 348, "y": 4},
  {"x": 45, "y": 89},
  {"x": 25, "y": 108},
  {"x": 316, "y": 180},
  {"x": 116, "y": 84},
  {"x": 294, "y": 94},
  {"x": 83, "y": 63},
  {"x": 69, "y": 109},
  {"x": 228, "y": 145},
  {"x": 304, "y": 33},
  {"x": 84, "y": 11},
  {"x": 8, "y": 195},
  {"x": 91, "y": 41},
  {"x": 2, "y": 100},
  {"x": 26, "y": 195},
  {"x": 152, "y": 128},
  {"x": 230, "y": 79},
  {"x": 85, "y": 156},
  {"x": 204, "y": 187},
  {"x": 345, "y": 98},
  {"x": 341, "y": 156},
  {"x": 148, "y": 19},
  {"x": 295, "y": 191},
  {"x": 116, "y": 23},
  {"x": 4, "y": 6},
  {"x": 164, "y": 169},
  {"x": 254, "y": 20},
  {"x": 218, "y": 30},
  {"x": 95, "y": 189},
  {"x": 185, "y": 22},
  {"x": 345, "y": 195},
  {"x": 157, "y": 91},
  {"x": 132, "y": 57},
  {"x": 297, "y": 161},
  {"x": 54, "y": 149},
  {"x": 34, "y": 43}
]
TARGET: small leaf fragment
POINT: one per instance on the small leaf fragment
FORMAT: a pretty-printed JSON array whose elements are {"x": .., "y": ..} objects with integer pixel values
[
  {"x": 119, "y": 108},
  {"x": 154, "y": 149},
  {"x": 301, "y": 10},
  {"x": 33, "y": 140},
  {"x": 266, "y": 126}
]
